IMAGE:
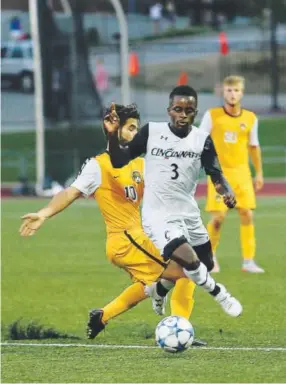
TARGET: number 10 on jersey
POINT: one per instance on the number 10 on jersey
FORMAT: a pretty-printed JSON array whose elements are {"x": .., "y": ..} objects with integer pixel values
[{"x": 130, "y": 193}]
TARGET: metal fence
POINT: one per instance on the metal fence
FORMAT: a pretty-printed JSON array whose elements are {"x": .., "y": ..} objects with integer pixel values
[{"x": 16, "y": 164}]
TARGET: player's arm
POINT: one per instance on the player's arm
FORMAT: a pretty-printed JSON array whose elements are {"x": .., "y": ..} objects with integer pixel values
[
  {"x": 212, "y": 167},
  {"x": 256, "y": 156},
  {"x": 120, "y": 155},
  {"x": 85, "y": 184},
  {"x": 33, "y": 221}
]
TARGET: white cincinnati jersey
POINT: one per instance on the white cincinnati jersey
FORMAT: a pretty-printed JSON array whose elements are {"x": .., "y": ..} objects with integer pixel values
[{"x": 172, "y": 168}]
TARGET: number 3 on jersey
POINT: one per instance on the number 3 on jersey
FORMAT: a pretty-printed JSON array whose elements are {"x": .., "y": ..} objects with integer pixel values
[
  {"x": 175, "y": 173},
  {"x": 130, "y": 193}
]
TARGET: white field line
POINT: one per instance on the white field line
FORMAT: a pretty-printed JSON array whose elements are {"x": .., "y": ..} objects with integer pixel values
[{"x": 113, "y": 346}]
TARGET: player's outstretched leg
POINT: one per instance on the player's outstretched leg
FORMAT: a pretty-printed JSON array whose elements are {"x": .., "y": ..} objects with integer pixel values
[
  {"x": 180, "y": 251},
  {"x": 98, "y": 318},
  {"x": 95, "y": 323},
  {"x": 201, "y": 277}
]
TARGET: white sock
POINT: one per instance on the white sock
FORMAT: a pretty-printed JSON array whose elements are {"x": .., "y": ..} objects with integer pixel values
[
  {"x": 167, "y": 284},
  {"x": 202, "y": 278}
]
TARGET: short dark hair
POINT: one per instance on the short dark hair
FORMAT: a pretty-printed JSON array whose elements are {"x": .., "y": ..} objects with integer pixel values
[
  {"x": 124, "y": 113},
  {"x": 183, "y": 90}
]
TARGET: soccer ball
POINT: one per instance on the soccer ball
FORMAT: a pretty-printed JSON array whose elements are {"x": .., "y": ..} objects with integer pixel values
[{"x": 174, "y": 334}]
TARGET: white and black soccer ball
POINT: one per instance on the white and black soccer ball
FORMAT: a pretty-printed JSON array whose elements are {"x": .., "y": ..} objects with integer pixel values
[{"x": 174, "y": 334}]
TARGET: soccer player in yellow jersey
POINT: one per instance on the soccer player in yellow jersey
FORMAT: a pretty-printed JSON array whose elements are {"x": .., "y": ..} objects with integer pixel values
[
  {"x": 118, "y": 193},
  {"x": 234, "y": 131}
]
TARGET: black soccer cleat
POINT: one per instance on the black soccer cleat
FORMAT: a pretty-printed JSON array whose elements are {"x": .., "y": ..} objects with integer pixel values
[
  {"x": 199, "y": 343},
  {"x": 95, "y": 324}
]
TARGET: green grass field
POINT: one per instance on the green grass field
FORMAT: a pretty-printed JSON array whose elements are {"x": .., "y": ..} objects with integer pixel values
[
  {"x": 18, "y": 151},
  {"x": 55, "y": 277}
]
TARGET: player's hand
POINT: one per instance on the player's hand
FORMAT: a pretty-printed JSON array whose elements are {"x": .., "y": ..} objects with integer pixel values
[
  {"x": 31, "y": 223},
  {"x": 258, "y": 182},
  {"x": 229, "y": 200},
  {"x": 111, "y": 120}
]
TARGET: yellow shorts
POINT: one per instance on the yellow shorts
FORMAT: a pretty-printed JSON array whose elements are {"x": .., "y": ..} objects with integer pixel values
[
  {"x": 242, "y": 186},
  {"x": 135, "y": 253}
]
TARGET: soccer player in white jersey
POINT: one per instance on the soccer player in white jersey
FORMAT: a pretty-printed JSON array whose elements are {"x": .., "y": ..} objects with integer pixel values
[{"x": 175, "y": 152}]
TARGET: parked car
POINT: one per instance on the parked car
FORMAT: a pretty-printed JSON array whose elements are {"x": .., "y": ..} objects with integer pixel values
[{"x": 17, "y": 65}]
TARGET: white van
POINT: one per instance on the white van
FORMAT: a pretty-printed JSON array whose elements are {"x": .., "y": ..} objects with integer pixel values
[{"x": 17, "y": 65}]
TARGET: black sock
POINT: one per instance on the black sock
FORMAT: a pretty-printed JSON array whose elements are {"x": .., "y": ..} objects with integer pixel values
[
  {"x": 161, "y": 290},
  {"x": 216, "y": 290}
]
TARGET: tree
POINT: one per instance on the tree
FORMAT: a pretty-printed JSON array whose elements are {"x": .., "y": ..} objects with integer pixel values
[{"x": 274, "y": 18}]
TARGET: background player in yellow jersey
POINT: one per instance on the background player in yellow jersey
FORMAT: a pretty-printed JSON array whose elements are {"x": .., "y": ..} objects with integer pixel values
[
  {"x": 234, "y": 131},
  {"x": 118, "y": 193}
]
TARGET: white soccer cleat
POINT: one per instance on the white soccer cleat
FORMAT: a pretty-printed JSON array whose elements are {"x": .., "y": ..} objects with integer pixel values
[
  {"x": 158, "y": 302},
  {"x": 229, "y": 304},
  {"x": 252, "y": 267},
  {"x": 216, "y": 267}
]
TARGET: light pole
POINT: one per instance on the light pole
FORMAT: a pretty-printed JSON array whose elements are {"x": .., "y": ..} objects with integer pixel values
[
  {"x": 39, "y": 99},
  {"x": 124, "y": 51},
  {"x": 274, "y": 57}
]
